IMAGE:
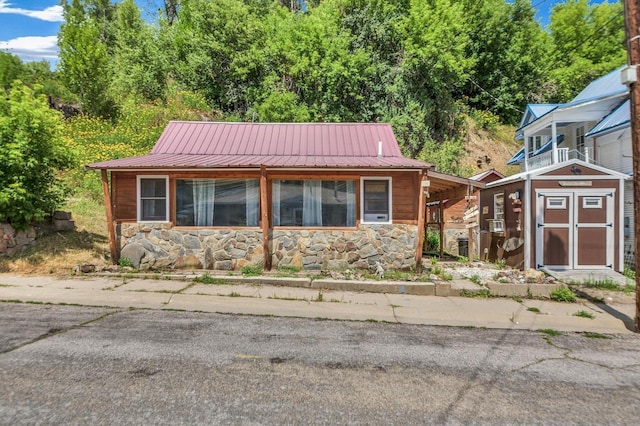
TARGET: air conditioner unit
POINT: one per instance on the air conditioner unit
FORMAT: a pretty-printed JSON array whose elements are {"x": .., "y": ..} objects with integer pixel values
[
  {"x": 496, "y": 225},
  {"x": 372, "y": 217}
]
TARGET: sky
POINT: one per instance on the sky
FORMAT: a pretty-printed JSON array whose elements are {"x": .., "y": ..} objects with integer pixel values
[{"x": 28, "y": 28}]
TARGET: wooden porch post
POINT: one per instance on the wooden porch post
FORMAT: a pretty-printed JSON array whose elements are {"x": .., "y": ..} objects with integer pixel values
[
  {"x": 111, "y": 226},
  {"x": 264, "y": 209},
  {"x": 441, "y": 225},
  {"x": 421, "y": 223}
]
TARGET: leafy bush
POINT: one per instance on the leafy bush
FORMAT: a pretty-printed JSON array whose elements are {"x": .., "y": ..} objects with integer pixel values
[
  {"x": 32, "y": 152},
  {"x": 563, "y": 294}
]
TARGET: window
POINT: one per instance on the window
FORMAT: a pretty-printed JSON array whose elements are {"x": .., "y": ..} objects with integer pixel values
[
  {"x": 217, "y": 202},
  {"x": 580, "y": 139},
  {"x": 498, "y": 206},
  {"x": 314, "y": 203},
  {"x": 152, "y": 199},
  {"x": 376, "y": 200},
  {"x": 592, "y": 202},
  {"x": 535, "y": 143},
  {"x": 556, "y": 203}
]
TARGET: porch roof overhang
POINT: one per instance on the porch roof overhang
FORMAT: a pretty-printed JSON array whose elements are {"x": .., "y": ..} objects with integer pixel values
[
  {"x": 443, "y": 186},
  {"x": 563, "y": 115}
]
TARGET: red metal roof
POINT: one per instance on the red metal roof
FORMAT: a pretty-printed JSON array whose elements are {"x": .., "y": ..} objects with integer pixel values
[{"x": 211, "y": 144}]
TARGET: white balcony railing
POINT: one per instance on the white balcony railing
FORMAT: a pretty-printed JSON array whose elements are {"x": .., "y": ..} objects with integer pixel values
[{"x": 564, "y": 154}]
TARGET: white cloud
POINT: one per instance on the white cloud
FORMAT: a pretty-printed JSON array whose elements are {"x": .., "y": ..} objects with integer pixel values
[
  {"x": 50, "y": 14},
  {"x": 32, "y": 48}
]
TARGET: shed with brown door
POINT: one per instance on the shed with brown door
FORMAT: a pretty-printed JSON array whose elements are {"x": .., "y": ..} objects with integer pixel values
[{"x": 564, "y": 216}]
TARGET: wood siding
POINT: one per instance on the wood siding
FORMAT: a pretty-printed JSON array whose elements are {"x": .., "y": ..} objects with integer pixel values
[{"x": 405, "y": 186}]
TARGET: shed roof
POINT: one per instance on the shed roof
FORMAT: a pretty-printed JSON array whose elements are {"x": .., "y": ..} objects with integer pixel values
[{"x": 305, "y": 145}]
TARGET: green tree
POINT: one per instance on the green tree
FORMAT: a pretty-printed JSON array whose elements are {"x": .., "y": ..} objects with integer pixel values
[
  {"x": 510, "y": 50},
  {"x": 32, "y": 153},
  {"x": 11, "y": 68},
  {"x": 435, "y": 66},
  {"x": 588, "y": 41},
  {"x": 139, "y": 67},
  {"x": 84, "y": 58},
  {"x": 215, "y": 48}
]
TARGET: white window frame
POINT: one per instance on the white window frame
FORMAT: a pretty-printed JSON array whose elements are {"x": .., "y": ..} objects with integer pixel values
[
  {"x": 586, "y": 202},
  {"x": 139, "y": 179},
  {"x": 387, "y": 178},
  {"x": 495, "y": 206},
  {"x": 561, "y": 206}
]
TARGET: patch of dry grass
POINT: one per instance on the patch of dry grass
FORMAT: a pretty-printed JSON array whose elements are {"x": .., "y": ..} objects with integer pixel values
[{"x": 58, "y": 252}]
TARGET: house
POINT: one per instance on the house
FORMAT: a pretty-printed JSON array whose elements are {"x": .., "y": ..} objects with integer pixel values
[
  {"x": 310, "y": 196},
  {"x": 456, "y": 219},
  {"x": 575, "y": 166}
]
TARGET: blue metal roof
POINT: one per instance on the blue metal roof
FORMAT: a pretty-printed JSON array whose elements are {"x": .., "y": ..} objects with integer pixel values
[
  {"x": 607, "y": 85},
  {"x": 517, "y": 158},
  {"x": 547, "y": 146},
  {"x": 619, "y": 117}
]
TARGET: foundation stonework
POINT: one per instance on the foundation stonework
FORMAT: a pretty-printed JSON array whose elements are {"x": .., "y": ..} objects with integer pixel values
[{"x": 158, "y": 246}]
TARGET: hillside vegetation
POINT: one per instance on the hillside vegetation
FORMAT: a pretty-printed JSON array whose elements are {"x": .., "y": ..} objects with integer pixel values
[{"x": 452, "y": 77}]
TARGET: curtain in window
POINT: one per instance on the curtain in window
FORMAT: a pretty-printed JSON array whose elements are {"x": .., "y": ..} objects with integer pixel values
[
  {"x": 203, "y": 197},
  {"x": 312, "y": 205},
  {"x": 253, "y": 202},
  {"x": 275, "y": 203},
  {"x": 351, "y": 203}
]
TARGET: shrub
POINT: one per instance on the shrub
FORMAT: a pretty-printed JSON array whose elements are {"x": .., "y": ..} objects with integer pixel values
[{"x": 563, "y": 294}]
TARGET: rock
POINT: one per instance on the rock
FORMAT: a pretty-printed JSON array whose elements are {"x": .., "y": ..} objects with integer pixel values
[
  {"x": 534, "y": 276},
  {"x": 134, "y": 252},
  {"x": 61, "y": 215},
  {"x": 188, "y": 262}
]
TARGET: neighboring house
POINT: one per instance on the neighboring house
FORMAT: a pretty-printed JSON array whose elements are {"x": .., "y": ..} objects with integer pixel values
[
  {"x": 310, "y": 196},
  {"x": 458, "y": 228},
  {"x": 582, "y": 151}
]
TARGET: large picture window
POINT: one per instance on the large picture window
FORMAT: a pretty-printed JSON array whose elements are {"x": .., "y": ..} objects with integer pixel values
[
  {"x": 376, "y": 200},
  {"x": 314, "y": 203},
  {"x": 152, "y": 199},
  {"x": 217, "y": 202}
]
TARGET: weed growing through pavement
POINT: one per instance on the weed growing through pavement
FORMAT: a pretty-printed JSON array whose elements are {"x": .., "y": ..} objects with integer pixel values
[
  {"x": 482, "y": 293},
  {"x": 584, "y": 314},
  {"x": 593, "y": 335},
  {"x": 533, "y": 309},
  {"x": 563, "y": 294},
  {"x": 475, "y": 278},
  {"x": 320, "y": 297},
  {"x": 550, "y": 332},
  {"x": 207, "y": 278},
  {"x": 251, "y": 270}
]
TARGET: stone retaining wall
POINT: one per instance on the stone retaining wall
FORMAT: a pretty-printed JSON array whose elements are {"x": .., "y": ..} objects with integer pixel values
[
  {"x": 15, "y": 241},
  {"x": 160, "y": 246},
  {"x": 12, "y": 241}
]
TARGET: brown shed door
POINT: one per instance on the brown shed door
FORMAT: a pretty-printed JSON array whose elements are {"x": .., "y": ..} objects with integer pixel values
[{"x": 574, "y": 229}]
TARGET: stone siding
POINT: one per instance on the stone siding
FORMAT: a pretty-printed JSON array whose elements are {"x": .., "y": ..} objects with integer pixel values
[
  {"x": 158, "y": 246},
  {"x": 394, "y": 246}
]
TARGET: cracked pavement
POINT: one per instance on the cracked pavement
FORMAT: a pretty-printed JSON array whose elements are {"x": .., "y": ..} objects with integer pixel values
[{"x": 79, "y": 365}]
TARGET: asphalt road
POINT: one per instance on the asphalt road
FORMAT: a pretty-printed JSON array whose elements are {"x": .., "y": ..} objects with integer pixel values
[{"x": 78, "y": 365}]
